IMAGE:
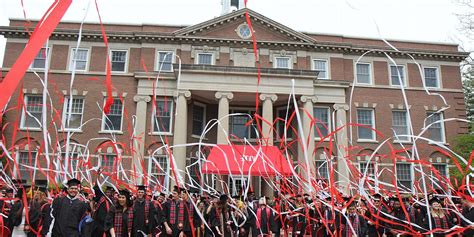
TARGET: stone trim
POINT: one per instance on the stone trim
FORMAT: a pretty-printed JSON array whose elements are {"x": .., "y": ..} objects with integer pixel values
[
  {"x": 228, "y": 95},
  {"x": 271, "y": 97},
  {"x": 365, "y": 105},
  {"x": 283, "y": 53},
  {"x": 205, "y": 49},
  {"x": 399, "y": 106},
  {"x": 114, "y": 94}
]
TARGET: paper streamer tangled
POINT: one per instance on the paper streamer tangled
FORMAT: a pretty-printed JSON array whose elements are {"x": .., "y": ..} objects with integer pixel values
[{"x": 66, "y": 158}]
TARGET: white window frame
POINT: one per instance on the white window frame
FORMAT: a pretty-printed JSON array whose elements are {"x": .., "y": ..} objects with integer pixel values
[
  {"x": 397, "y": 139},
  {"x": 443, "y": 132},
  {"x": 371, "y": 79},
  {"x": 153, "y": 132},
  {"x": 213, "y": 62},
  {"x": 71, "y": 58},
  {"x": 446, "y": 169},
  {"x": 373, "y": 126},
  {"x": 102, "y": 164},
  {"x": 403, "y": 74},
  {"x": 438, "y": 77},
  {"x": 232, "y": 180},
  {"x": 103, "y": 127},
  {"x": 326, "y": 69},
  {"x": 17, "y": 172},
  {"x": 166, "y": 172},
  {"x": 204, "y": 109},
  {"x": 412, "y": 175},
  {"x": 125, "y": 69},
  {"x": 240, "y": 110},
  {"x": 330, "y": 129},
  {"x": 158, "y": 63},
  {"x": 24, "y": 114},
  {"x": 46, "y": 62},
  {"x": 290, "y": 64},
  {"x": 319, "y": 163},
  {"x": 65, "y": 111}
]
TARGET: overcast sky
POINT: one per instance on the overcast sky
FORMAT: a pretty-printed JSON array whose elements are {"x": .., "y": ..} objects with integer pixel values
[{"x": 415, "y": 20}]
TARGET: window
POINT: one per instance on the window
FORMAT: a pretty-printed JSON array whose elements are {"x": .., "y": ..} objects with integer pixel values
[
  {"x": 442, "y": 173},
  {"x": 108, "y": 162},
  {"x": 118, "y": 59},
  {"x": 436, "y": 130},
  {"x": 397, "y": 75},
  {"x": 238, "y": 124},
  {"x": 282, "y": 62},
  {"x": 163, "y": 115},
  {"x": 322, "y": 169},
  {"x": 237, "y": 184},
  {"x": 365, "y": 117},
  {"x": 165, "y": 61},
  {"x": 194, "y": 170},
  {"x": 113, "y": 121},
  {"x": 400, "y": 125},
  {"x": 73, "y": 165},
  {"x": 322, "y": 125},
  {"x": 158, "y": 170},
  {"x": 204, "y": 59},
  {"x": 281, "y": 123},
  {"x": 363, "y": 73},
  {"x": 367, "y": 168},
  {"x": 40, "y": 60},
  {"x": 404, "y": 176},
  {"x": 26, "y": 158},
  {"x": 199, "y": 119},
  {"x": 73, "y": 120},
  {"x": 32, "y": 114},
  {"x": 79, "y": 59},
  {"x": 431, "y": 77},
  {"x": 321, "y": 66}
]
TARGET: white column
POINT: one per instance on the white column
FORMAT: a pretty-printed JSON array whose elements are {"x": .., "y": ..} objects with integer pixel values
[
  {"x": 223, "y": 129},
  {"x": 306, "y": 158},
  {"x": 342, "y": 145},
  {"x": 138, "y": 155},
  {"x": 267, "y": 133},
  {"x": 180, "y": 135},
  {"x": 267, "y": 114}
]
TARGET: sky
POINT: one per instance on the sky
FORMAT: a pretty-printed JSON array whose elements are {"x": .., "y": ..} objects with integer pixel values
[{"x": 413, "y": 20}]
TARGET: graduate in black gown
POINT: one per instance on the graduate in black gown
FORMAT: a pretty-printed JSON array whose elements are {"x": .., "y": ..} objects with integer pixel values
[
  {"x": 178, "y": 218},
  {"x": 16, "y": 209},
  {"x": 68, "y": 211},
  {"x": 263, "y": 223},
  {"x": 123, "y": 215},
  {"x": 158, "y": 216},
  {"x": 104, "y": 211},
  {"x": 39, "y": 218},
  {"x": 143, "y": 212}
]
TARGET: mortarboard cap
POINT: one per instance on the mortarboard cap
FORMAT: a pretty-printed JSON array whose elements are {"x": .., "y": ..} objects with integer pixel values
[
  {"x": 73, "y": 182},
  {"x": 141, "y": 187}
]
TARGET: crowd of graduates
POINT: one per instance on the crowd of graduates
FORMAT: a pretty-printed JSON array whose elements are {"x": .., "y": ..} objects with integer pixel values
[{"x": 108, "y": 211}]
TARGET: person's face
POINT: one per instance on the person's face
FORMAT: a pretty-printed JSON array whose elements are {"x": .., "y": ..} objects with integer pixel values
[
  {"x": 184, "y": 196},
  {"x": 38, "y": 195},
  {"x": 175, "y": 196},
  {"x": 108, "y": 193},
  {"x": 10, "y": 195},
  {"x": 436, "y": 206},
  {"x": 160, "y": 199},
  {"x": 122, "y": 200},
  {"x": 352, "y": 210},
  {"x": 141, "y": 194},
  {"x": 201, "y": 206},
  {"x": 377, "y": 202},
  {"x": 73, "y": 190},
  {"x": 397, "y": 205},
  {"x": 299, "y": 199}
]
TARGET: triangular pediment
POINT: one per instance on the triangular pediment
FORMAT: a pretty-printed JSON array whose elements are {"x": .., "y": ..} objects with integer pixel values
[{"x": 226, "y": 27}]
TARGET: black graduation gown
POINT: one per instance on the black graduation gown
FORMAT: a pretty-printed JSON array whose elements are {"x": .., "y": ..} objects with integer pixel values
[
  {"x": 298, "y": 217},
  {"x": 216, "y": 222},
  {"x": 267, "y": 223},
  {"x": 468, "y": 213},
  {"x": 15, "y": 215},
  {"x": 158, "y": 217},
  {"x": 142, "y": 224},
  {"x": 376, "y": 227},
  {"x": 39, "y": 213},
  {"x": 67, "y": 214},
  {"x": 103, "y": 214},
  {"x": 398, "y": 223},
  {"x": 188, "y": 208},
  {"x": 362, "y": 228}
]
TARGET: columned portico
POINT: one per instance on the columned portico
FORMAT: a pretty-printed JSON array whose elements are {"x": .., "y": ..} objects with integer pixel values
[
  {"x": 140, "y": 132},
  {"x": 180, "y": 134},
  {"x": 342, "y": 145},
  {"x": 305, "y": 150},
  {"x": 267, "y": 114},
  {"x": 224, "y": 99}
]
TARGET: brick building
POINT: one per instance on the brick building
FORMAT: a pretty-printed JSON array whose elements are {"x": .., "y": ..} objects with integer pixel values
[{"x": 204, "y": 72}]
